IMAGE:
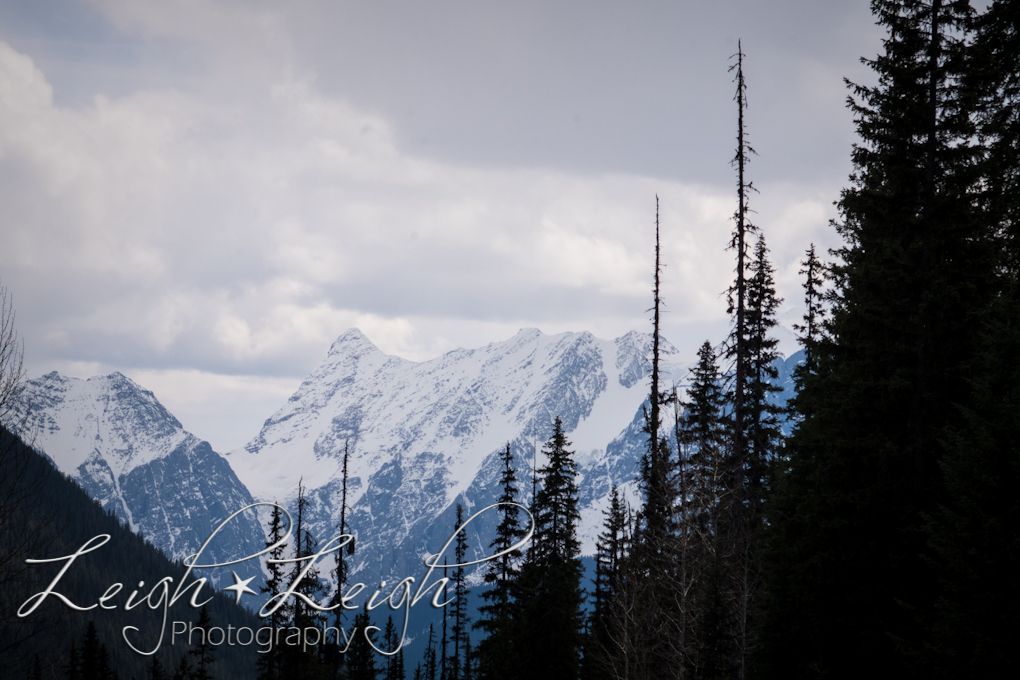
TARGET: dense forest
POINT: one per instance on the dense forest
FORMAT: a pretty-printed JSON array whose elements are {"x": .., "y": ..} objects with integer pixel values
[{"x": 879, "y": 536}]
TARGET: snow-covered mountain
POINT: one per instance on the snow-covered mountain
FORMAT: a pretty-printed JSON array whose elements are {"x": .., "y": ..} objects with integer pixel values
[
  {"x": 136, "y": 459},
  {"x": 423, "y": 436},
  {"x": 426, "y": 435}
]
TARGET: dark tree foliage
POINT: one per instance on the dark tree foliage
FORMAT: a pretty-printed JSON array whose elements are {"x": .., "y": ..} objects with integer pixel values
[
  {"x": 703, "y": 438},
  {"x": 849, "y": 571},
  {"x": 549, "y": 605},
  {"x": 605, "y": 627},
  {"x": 460, "y": 629},
  {"x": 974, "y": 625},
  {"x": 203, "y": 649},
  {"x": 360, "y": 655},
  {"x": 395, "y": 662},
  {"x": 495, "y": 652},
  {"x": 269, "y": 662},
  {"x": 126, "y": 558}
]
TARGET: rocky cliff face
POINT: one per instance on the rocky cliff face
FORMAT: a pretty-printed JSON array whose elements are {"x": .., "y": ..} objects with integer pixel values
[
  {"x": 134, "y": 457},
  {"x": 425, "y": 436}
]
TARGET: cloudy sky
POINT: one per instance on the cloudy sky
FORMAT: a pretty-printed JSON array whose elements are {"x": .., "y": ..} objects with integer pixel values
[{"x": 203, "y": 195}]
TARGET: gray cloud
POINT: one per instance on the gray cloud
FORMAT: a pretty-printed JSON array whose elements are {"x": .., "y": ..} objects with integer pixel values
[{"x": 212, "y": 192}]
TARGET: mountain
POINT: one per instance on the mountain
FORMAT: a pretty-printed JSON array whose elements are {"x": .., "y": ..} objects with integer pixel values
[
  {"x": 425, "y": 435},
  {"x": 130, "y": 454},
  {"x": 45, "y": 516}
]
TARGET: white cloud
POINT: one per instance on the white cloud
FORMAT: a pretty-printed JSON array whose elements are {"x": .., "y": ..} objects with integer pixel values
[{"x": 183, "y": 237}]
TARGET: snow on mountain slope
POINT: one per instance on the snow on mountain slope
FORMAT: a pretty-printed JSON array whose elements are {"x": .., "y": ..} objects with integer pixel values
[
  {"x": 137, "y": 460},
  {"x": 425, "y": 435}
]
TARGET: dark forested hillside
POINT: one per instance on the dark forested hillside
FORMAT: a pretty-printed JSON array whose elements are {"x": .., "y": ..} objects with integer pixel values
[{"x": 44, "y": 515}]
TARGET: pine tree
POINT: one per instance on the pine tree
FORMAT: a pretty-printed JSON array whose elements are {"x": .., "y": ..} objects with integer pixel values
[
  {"x": 90, "y": 653},
  {"x": 203, "y": 650},
  {"x": 652, "y": 560},
  {"x": 73, "y": 669},
  {"x": 761, "y": 412},
  {"x": 268, "y": 663},
  {"x": 739, "y": 552},
  {"x": 702, "y": 436},
  {"x": 460, "y": 631},
  {"x": 551, "y": 597},
  {"x": 973, "y": 534},
  {"x": 495, "y": 651},
  {"x": 606, "y": 628},
  {"x": 183, "y": 670},
  {"x": 332, "y": 655},
  {"x": 156, "y": 669},
  {"x": 848, "y": 574},
  {"x": 361, "y": 656},
  {"x": 431, "y": 670}
]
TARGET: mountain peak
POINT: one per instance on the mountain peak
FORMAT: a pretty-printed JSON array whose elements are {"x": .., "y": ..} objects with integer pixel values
[{"x": 352, "y": 341}]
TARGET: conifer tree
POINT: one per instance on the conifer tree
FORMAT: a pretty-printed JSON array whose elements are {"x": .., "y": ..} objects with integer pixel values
[
  {"x": 268, "y": 663},
  {"x": 203, "y": 650},
  {"x": 361, "y": 656},
  {"x": 431, "y": 670},
  {"x": 332, "y": 655},
  {"x": 763, "y": 436},
  {"x": 156, "y": 669},
  {"x": 495, "y": 651},
  {"x": 739, "y": 552},
  {"x": 90, "y": 653},
  {"x": 607, "y": 629},
  {"x": 73, "y": 670},
  {"x": 848, "y": 573},
  {"x": 551, "y": 597},
  {"x": 974, "y": 622},
  {"x": 702, "y": 437},
  {"x": 460, "y": 630},
  {"x": 183, "y": 670}
]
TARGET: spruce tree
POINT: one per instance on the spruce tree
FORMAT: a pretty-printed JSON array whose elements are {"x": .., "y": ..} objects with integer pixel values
[
  {"x": 460, "y": 630},
  {"x": 360, "y": 655},
  {"x": 268, "y": 663},
  {"x": 606, "y": 627},
  {"x": 156, "y": 669},
  {"x": 702, "y": 436},
  {"x": 73, "y": 669},
  {"x": 495, "y": 652},
  {"x": 973, "y": 625},
  {"x": 849, "y": 572},
  {"x": 550, "y": 633},
  {"x": 203, "y": 650}
]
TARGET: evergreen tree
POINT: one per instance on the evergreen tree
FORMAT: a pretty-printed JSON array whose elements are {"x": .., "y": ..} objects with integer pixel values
[
  {"x": 73, "y": 669},
  {"x": 183, "y": 670},
  {"x": 763, "y": 435},
  {"x": 606, "y": 629},
  {"x": 703, "y": 437},
  {"x": 974, "y": 622},
  {"x": 550, "y": 607},
  {"x": 203, "y": 651},
  {"x": 652, "y": 561},
  {"x": 156, "y": 669},
  {"x": 361, "y": 656},
  {"x": 811, "y": 331},
  {"x": 738, "y": 530},
  {"x": 495, "y": 652},
  {"x": 90, "y": 654},
  {"x": 332, "y": 655},
  {"x": 431, "y": 670},
  {"x": 394, "y": 663},
  {"x": 460, "y": 629},
  {"x": 848, "y": 573},
  {"x": 268, "y": 663}
]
